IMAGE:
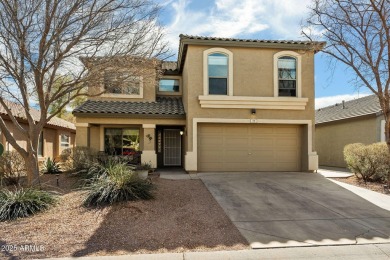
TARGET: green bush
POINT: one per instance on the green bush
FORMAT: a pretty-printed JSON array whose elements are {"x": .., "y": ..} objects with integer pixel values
[
  {"x": 22, "y": 203},
  {"x": 50, "y": 166},
  {"x": 114, "y": 183},
  {"x": 78, "y": 158},
  {"x": 12, "y": 167},
  {"x": 368, "y": 162}
]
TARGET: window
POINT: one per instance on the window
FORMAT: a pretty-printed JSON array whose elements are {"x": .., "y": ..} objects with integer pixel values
[
  {"x": 169, "y": 85},
  {"x": 40, "y": 145},
  {"x": 218, "y": 74},
  {"x": 119, "y": 141},
  {"x": 122, "y": 83},
  {"x": 65, "y": 140},
  {"x": 287, "y": 76}
]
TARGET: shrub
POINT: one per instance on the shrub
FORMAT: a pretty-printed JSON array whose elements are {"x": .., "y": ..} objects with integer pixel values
[
  {"x": 50, "y": 167},
  {"x": 12, "y": 167},
  {"x": 368, "y": 162},
  {"x": 24, "y": 202},
  {"x": 78, "y": 158},
  {"x": 114, "y": 183}
]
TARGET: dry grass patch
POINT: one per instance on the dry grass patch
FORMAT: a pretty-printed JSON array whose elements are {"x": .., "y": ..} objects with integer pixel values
[{"x": 183, "y": 217}]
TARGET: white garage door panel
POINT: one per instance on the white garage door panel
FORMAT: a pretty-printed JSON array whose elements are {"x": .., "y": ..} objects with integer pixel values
[{"x": 249, "y": 147}]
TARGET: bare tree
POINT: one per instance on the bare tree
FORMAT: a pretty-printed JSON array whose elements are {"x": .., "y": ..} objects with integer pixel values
[
  {"x": 358, "y": 35},
  {"x": 41, "y": 42}
]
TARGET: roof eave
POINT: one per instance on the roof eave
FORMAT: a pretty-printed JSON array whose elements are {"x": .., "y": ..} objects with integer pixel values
[
  {"x": 128, "y": 115},
  {"x": 184, "y": 42}
]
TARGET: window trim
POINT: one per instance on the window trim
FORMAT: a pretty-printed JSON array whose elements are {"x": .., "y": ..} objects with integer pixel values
[
  {"x": 170, "y": 93},
  {"x": 61, "y": 142},
  {"x": 121, "y": 95},
  {"x": 298, "y": 58},
  {"x": 206, "y": 54}
]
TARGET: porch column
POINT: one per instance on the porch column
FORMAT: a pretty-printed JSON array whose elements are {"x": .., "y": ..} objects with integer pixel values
[
  {"x": 149, "y": 150},
  {"x": 82, "y": 138}
]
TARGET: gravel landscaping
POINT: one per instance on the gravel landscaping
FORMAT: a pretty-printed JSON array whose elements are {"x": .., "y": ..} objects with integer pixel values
[
  {"x": 183, "y": 217},
  {"x": 353, "y": 180}
]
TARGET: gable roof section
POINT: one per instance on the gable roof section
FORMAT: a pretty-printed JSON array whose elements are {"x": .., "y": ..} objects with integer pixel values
[
  {"x": 163, "y": 107},
  {"x": 354, "y": 108},
  {"x": 185, "y": 40},
  {"x": 18, "y": 111}
]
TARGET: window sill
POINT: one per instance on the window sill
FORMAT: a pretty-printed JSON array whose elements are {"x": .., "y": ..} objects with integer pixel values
[
  {"x": 278, "y": 103},
  {"x": 111, "y": 95}
]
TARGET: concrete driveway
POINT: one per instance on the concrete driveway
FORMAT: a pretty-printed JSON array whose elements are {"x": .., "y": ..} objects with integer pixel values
[{"x": 274, "y": 209}]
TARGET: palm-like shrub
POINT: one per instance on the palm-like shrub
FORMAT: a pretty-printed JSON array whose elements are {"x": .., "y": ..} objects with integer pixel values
[
  {"x": 51, "y": 166},
  {"x": 114, "y": 183},
  {"x": 22, "y": 203}
]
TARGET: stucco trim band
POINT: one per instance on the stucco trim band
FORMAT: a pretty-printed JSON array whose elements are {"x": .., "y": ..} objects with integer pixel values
[
  {"x": 290, "y": 103},
  {"x": 191, "y": 157}
]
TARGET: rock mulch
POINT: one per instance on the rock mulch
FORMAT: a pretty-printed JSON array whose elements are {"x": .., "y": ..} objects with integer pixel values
[
  {"x": 353, "y": 180},
  {"x": 183, "y": 217}
]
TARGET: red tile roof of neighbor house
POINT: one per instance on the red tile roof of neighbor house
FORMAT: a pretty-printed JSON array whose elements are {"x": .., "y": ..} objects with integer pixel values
[
  {"x": 18, "y": 111},
  {"x": 350, "y": 109}
]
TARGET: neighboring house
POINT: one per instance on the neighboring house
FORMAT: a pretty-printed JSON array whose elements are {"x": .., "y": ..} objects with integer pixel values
[
  {"x": 355, "y": 121},
  {"x": 57, "y": 135},
  {"x": 225, "y": 105}
]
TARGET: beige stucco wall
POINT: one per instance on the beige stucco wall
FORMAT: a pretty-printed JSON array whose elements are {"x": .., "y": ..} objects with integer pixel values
[
  {"x": 146, "y": 70},
  {"x": 332, "y": 137},
  {"x": 51, "y": 140},
  {"x": 253, "y": 76}
]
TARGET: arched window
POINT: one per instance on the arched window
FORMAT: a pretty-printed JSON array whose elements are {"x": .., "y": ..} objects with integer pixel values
[
  {"x": 287, "y": 76},
  {"x": 218, "y": 73}
]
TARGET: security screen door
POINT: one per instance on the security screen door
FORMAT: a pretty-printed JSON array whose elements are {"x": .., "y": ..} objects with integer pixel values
[{"x": 172, "y": 147}]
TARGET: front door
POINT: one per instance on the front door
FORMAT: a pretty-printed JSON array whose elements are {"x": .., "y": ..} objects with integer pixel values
[{"x": 172, "y": 147}]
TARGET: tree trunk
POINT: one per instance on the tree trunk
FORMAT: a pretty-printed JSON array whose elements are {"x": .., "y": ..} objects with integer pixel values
[{"x": 32, "y": 170}]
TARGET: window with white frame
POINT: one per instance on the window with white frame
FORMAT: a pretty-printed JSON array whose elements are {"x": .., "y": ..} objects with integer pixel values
[
  {"x": 119, "y": 82},
  {"x": 218, "y": 73},
  {"x": 65, "y": 140},
  {"x": 287, "y": 74},
  {"x": 169, "y": 85}
]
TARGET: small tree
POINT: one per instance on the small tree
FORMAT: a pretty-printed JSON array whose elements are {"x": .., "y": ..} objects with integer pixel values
[
  {"x": 358, "y": 35},
  {"x": 40, "y": 45}
]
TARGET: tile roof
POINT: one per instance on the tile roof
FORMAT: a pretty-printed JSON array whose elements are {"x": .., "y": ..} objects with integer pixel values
[
  {"x": 18, "y": 111},
  {"x": 194, "y": 37},
  {"x": 353, "y": 108},
  {"x": 169, "y": 65},
  {"x": 163, "y": 106}
]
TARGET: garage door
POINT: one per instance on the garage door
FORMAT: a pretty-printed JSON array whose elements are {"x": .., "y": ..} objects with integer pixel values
[{"x": 249, "y": 147}]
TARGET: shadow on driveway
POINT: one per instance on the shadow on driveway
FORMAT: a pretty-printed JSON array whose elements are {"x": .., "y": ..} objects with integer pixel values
[{"x": 279, "y": 209}]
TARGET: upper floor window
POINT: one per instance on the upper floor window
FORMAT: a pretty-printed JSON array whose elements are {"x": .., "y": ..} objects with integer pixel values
[
  {"x": 122, "y": 83},
  {"x": 218, "y": 74},
  {"x": 65, "y": 140},
  {"x": 169, "y": 85},
  {"x": 287, "y": 76}
]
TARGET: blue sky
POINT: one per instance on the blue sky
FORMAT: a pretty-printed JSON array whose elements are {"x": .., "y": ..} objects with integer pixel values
[{"x": 256, "y": 19}]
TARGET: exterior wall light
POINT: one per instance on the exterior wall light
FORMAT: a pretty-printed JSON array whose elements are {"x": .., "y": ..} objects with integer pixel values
[{"x": 253, "y": 111}]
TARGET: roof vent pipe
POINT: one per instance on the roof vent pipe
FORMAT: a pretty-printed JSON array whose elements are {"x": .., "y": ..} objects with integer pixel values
[{"x": 343, "y": 104}]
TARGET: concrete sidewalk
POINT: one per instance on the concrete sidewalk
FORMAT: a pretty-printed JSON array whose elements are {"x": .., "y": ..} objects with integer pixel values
[{"x": 356, "y": 252}]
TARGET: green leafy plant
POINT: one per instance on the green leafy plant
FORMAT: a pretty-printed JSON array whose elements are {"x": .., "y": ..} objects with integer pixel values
[
  {"x": 22, "y": 203},
  {"x": 114, "y": 183},
  {"x": 50, "y": 166},
  {"x": 12, "y": 167},
  {"x": 144, "y": 166}
]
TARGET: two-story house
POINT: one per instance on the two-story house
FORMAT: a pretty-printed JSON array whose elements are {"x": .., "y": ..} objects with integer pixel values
[{"x": 225, "y": 105}]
